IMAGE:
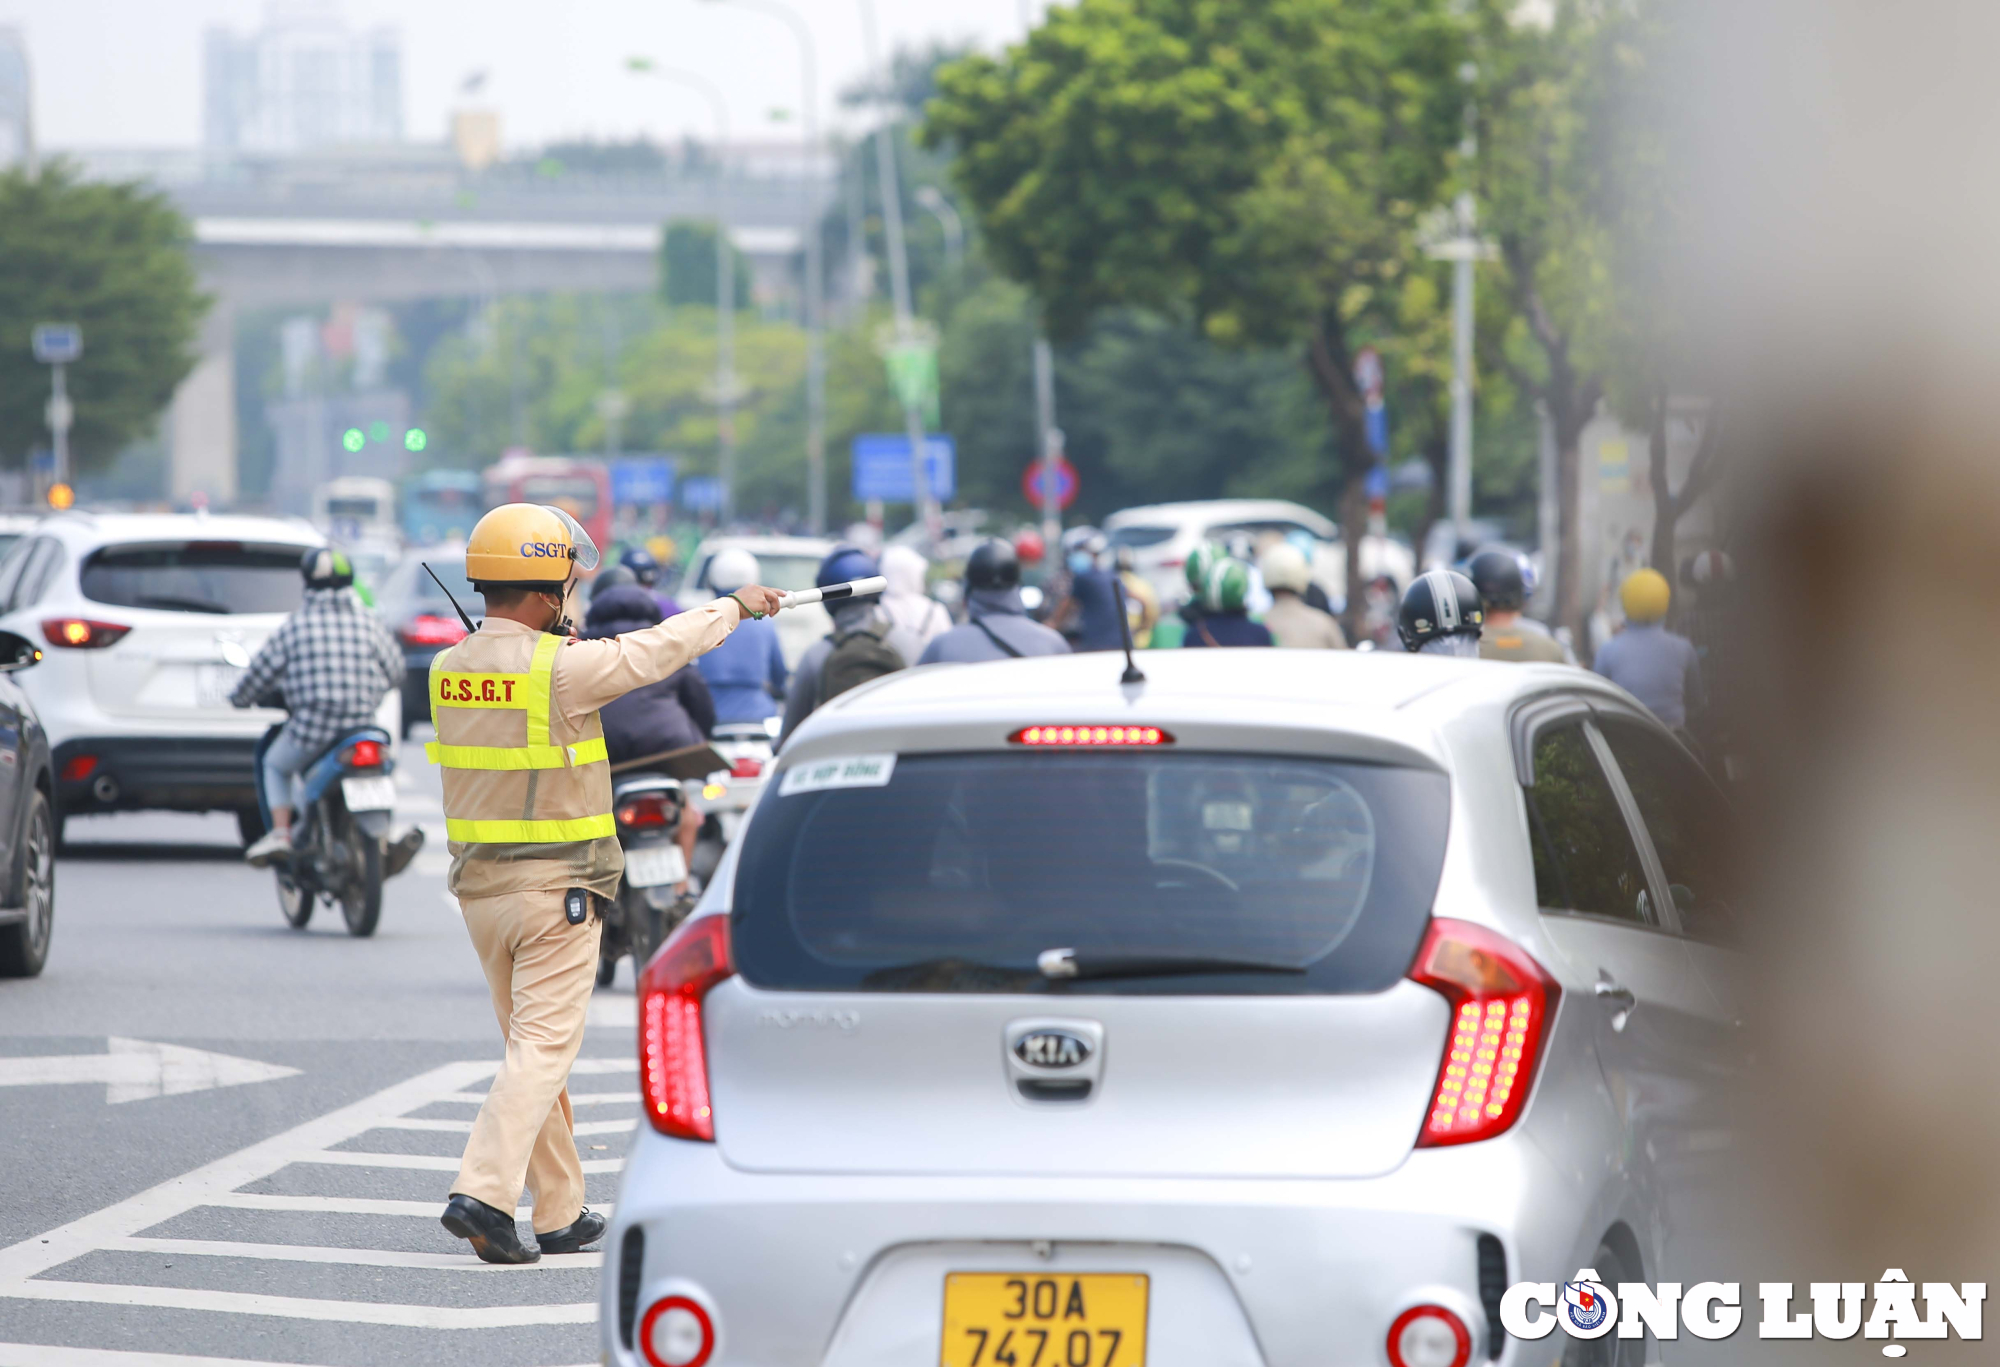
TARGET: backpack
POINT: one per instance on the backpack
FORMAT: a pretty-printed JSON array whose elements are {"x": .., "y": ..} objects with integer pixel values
[{"x": 858, "y": 656}]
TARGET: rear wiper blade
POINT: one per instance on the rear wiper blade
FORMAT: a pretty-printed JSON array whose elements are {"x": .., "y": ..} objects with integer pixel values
[
  {"x": 1063, "y": 964},
  {"x": 155, "y": 600}
]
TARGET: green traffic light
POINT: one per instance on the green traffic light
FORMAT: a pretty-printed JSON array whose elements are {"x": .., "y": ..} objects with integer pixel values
[
  {"x": 415, "y": 440},
  {"x": 353, "y": 439}
]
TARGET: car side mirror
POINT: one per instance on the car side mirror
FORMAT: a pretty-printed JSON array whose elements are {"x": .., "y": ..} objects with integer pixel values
[{"x": 17, "y": 652}]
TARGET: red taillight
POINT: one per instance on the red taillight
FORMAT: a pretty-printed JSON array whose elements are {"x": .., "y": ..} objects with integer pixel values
[
  {"x": 1076, "y": 736},
  {"x": 78, "y": 768},
  {"x": 426, "y": 629},
  {"x": 746, "y": 767},
  {"x": 82, "y": 633},
  {"x": 673, "y": 1058},
  {"x": 648, "y": 809},
  {"x": 1429, "y": 1336},
  {"x": 366, "y": 754},
  {"x": 1501, "y": 1003}
]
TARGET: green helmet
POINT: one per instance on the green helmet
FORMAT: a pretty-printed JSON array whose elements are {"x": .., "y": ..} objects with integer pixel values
[
  {"x": 1227, "y": 585},
  {"x": 1200, "y": 560}
]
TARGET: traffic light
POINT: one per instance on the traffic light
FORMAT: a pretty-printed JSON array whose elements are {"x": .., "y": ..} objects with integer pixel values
[
  {"x": 415, "y": 440},
  {"x": 378, "y": 430},
  {"x": 61, "y": 496},
  {"x": 354, "y": 439}
]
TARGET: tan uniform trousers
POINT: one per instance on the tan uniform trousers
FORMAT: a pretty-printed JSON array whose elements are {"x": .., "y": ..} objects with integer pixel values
[{"x": 541, "y": 970}]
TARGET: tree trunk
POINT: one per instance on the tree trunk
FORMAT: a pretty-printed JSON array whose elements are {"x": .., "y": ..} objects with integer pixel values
[{"x": 1330, "y": 364}]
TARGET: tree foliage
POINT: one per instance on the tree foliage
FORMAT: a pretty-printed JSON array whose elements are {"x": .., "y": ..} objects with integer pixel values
[
  {"x": 112, "y": 258},
  {"x": 1258, "y": 170},
  {"x": 688, "y": 262}
]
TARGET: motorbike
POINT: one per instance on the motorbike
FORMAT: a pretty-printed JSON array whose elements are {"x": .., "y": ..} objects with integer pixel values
[
  {"x": 340, "y": 851},
  {"x": 729, "y": 794},
  {"x": 647, "y": 808}
]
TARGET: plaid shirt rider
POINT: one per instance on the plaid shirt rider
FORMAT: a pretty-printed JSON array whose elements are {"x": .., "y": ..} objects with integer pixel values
[{"x": 333, "y": 660}]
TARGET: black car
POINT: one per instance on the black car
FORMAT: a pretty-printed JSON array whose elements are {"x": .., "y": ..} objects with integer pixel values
[
  {"x": 423, "y": 618},
  {"x": 27, "y": 820}
]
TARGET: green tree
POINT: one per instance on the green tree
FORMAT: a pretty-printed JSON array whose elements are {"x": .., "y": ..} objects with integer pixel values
[
  {"x": 113, "y": 259},
  {"x": 687, "y": 265},
  {"x": 1257, "y": 169}
]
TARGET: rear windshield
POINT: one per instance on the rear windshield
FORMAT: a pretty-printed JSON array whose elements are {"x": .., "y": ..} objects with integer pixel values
[
  {"x": 963, "y": 869},
  {"x": 196, "y": 576},
  {"x": 1140, "y": 537}
]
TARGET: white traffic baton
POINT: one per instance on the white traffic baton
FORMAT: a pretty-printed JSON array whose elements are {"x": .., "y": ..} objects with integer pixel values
[{"x": 833, "y": 593}]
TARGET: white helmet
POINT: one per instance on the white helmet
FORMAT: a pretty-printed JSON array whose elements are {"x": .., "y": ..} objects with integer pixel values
[
  {"x": 1284, "y": 566},
  {"x": 732, "y": 569}
]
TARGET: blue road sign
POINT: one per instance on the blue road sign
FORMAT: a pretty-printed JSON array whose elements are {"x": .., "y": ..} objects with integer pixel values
[
  {"x": 701, "y": 493},
  {"x": 882, "y": 467},
  {"x": 1378, "y": 429},
  {"x": 57, "y": 343},
  {"x": 642, "y": 480}
]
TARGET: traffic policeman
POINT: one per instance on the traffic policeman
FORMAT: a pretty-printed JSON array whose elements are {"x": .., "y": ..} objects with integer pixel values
[{"x": 527, "y": 802}]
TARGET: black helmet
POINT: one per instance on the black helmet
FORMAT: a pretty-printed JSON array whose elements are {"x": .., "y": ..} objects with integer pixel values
[
  {"x": 993, "y": 565},
  {"x": 326, "y": 568},
  {"x": 1437, "y": 604},
  {"x": 618, "y": 576},
  {"x": 1496, "y": 573}
]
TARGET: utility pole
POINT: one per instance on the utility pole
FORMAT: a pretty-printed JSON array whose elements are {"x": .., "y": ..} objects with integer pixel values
[
  {"x": 899, "y": 280},
  {"x": 1466, "y": 213},
  {"x": 1051, "y": 439}
]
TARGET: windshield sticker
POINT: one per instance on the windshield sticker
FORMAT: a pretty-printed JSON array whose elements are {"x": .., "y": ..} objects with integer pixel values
[{"x": 848, "y": 771}]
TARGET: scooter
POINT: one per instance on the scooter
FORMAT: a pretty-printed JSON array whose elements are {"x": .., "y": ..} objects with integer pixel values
[
  {"x": 340, "y": 831},
  {"x": 729, "y": 794},
  {"x": 647, "y": 808}
]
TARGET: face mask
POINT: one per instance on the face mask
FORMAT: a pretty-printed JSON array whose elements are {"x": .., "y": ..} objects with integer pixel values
[{"x": 1079, "y": 562}]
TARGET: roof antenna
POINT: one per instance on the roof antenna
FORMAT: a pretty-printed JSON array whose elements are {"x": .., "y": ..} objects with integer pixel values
[
  {"x": 469, "y": 628},
  {"x": 1132, "y": 674}
]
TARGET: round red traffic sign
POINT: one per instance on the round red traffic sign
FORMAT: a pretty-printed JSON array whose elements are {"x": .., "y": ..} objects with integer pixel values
[{"x": 1032, "y": 480}]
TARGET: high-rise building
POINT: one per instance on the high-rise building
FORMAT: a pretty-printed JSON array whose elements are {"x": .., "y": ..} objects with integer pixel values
[
  {"x": 302, "y": 80},
  {"x": 17, "y": 125}
]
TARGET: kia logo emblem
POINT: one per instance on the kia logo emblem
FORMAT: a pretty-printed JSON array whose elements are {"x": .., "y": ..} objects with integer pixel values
[{"x": 1052, "y": 1049}]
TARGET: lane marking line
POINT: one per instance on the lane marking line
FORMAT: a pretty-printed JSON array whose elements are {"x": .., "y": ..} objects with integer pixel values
[
  {"x": 465, "y": 1126},
  {"x": 347, "y": 1205},
  {"x": 356, "y": 1257},
  {"x": 421, "y": 1162},
  {"x": 575, "y": 1098},
  {"x": 304, "y": 1308}
]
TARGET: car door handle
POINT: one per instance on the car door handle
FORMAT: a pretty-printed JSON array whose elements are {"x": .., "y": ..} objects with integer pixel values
[{"x": 1617, "y": 997}]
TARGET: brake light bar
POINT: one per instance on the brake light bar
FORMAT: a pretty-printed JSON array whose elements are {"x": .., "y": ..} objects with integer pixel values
[
  {"x": 1501, "y": 1004},
  {"x": 673, "y": 1055},
  {"x": 746, "y": 766},
  {"x": 1077, "y": 737},
  {"x": 82, "y": 633},
  {"x": 365, "y": 754},
  {"x": 648, "y": 809}
]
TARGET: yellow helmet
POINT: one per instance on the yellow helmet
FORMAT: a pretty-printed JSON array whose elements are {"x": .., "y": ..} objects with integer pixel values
[
  {"x": 527, "y": 543},
  {"x": 1645, "y": 595}
]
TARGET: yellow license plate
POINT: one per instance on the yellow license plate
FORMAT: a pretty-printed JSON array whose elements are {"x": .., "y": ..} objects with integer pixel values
[{"x": 1076, "y": 1319}]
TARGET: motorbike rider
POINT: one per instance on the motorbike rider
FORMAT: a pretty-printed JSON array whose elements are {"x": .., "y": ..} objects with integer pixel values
[
  {"x": 919, "y": 618},
  {"x": 1292, "y": 621},
  {"x": 333, "y": 661},
  {"x": 856, "y": 651},
  {"x": 1508, "y": 634},
  {"x": 673, "y": 714},
  {"x": 1654, "y": 665},
  {"x": 1224, "y": 620},
  {"x": 997, "y": 626},
  {"x": 745, "y": 674},
  {"x": 1441, "y": 615},
  {"x": 534, "y": 847}
]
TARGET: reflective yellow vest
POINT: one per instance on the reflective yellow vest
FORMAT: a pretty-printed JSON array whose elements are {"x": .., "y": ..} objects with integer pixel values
[{"x": 510, "y": 776}]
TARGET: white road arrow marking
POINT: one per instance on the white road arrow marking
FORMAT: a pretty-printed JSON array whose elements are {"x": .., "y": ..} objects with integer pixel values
[{"x": 136, "y": 1069}]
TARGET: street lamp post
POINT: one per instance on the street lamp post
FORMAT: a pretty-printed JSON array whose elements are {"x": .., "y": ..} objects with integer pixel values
[
  {"x": 815, "y": 302},
  {"x": 55, "y": 346},
  {"x": 725, "y": 283},
  {"x": 940, "y": 208},
  {"x": 899, "y": 279}
]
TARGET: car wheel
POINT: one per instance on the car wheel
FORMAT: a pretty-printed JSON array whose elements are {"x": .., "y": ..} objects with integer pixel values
[
  {"x": 249, "y": 825},
  {"x": 24, "y": 946},
  {"x": 1609, "y": 1351}
]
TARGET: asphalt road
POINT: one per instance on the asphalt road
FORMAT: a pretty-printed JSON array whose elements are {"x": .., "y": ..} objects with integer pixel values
[{"x": 164, "y": 1207}]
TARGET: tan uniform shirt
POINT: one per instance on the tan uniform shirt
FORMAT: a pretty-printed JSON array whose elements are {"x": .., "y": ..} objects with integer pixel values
[
  {"x": 587, "y": 675},
  {"x": 1520, "y": 644},
  {"x": 1297, "y": 625}
]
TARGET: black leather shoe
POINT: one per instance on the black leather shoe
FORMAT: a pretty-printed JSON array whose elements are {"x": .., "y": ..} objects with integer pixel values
[
  {"x": 588, "y": 1228},
  {"x": 492, "y": 1233}
]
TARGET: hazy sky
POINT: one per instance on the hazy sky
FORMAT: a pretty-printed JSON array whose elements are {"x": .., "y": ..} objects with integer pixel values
[{"x": 127, "y": 73}]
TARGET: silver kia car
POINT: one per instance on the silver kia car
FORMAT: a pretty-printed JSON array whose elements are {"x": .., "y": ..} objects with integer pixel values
[{"x": 1281, "y": 1009}]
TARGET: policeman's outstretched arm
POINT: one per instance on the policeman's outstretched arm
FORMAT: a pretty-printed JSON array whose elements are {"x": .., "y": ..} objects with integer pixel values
[{"x": 589, "y": 674}]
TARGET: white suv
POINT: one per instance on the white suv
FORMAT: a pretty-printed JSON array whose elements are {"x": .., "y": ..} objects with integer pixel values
[{"x": 149, "y": 620}]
